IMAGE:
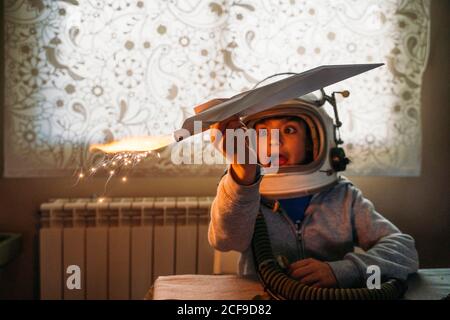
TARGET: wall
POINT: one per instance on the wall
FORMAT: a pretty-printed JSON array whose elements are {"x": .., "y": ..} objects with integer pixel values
[{"x": 418, "y": 206}]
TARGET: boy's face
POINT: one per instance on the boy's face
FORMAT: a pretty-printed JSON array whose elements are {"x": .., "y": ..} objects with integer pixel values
[{"x": 292, "y": 139}]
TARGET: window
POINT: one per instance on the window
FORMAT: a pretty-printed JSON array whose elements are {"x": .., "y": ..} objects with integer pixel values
[{"x": 83, "y": 72}]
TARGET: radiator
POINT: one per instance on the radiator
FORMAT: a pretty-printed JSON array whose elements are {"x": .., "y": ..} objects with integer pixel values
[{"x": 121, "y": 245}]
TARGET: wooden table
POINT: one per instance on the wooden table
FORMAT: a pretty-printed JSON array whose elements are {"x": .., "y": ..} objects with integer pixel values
[
  {"x": 205, "y": 287},
  {"x": 427, "y": 284}
]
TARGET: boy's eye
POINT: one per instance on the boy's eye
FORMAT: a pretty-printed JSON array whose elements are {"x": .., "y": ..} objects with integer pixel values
[{"x": 289, "y": 130}]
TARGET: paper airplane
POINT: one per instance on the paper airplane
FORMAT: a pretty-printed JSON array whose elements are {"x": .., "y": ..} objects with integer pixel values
[{"x": 265, "y": 97}]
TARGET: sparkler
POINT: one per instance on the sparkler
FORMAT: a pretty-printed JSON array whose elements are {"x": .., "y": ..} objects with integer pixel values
[{"x": 120, "y": 157}]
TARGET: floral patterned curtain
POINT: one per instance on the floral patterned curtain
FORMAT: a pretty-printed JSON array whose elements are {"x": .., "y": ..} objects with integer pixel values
[{"x": 86, "y": 71}]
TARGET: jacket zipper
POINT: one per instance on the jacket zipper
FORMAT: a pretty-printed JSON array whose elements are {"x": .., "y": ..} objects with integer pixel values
[
  {"x": 297, "y": 232},
  {"x": 298, "y": 229}
]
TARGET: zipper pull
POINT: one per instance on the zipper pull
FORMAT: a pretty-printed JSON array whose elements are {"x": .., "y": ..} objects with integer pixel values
[
  {"x": 298, "y": 225},
  {"x": 298, "y": 228}
]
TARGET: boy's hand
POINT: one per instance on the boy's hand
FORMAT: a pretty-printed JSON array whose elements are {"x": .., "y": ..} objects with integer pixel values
[
  {"x": 314, "y": 273},
  {"x": 243, "y": 173}
]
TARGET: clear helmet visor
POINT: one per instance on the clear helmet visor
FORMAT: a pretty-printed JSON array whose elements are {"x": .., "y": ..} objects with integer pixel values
[
  {"x": 313, "y": 172},
  {"x": 313, "y": 135}
]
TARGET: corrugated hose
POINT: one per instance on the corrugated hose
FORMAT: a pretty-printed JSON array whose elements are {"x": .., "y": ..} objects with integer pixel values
[{"x": 280, "y": 286}]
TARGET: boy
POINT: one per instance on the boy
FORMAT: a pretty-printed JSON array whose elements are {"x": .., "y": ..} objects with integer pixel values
[{"x": 314, "y": 217}]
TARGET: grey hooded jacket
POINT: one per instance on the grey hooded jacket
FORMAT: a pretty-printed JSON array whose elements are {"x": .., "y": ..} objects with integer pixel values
[{"x": 336, "y": 221}]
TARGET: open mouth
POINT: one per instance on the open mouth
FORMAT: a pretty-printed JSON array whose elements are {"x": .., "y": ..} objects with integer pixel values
[{"x": 282, "y": 160}]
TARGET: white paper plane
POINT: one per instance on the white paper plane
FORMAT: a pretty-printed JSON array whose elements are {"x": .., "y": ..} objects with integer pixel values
[{"x": 265, "y": 97}]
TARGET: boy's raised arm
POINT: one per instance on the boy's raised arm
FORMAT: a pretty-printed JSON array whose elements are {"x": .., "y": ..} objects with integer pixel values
[{"x": 233, "y": 214}]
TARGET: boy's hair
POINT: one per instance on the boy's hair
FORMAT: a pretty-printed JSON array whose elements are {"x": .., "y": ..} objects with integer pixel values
[{"x": 309, "y": 148}]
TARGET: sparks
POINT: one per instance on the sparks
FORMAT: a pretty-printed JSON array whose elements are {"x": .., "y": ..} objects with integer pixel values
[
  {"x": 120, "y": 157},
  {"x": 135, "y": 144}
]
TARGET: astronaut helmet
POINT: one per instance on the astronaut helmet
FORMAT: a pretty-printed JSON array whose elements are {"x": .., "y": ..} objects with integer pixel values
[{"x": 320, "y": 170}]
